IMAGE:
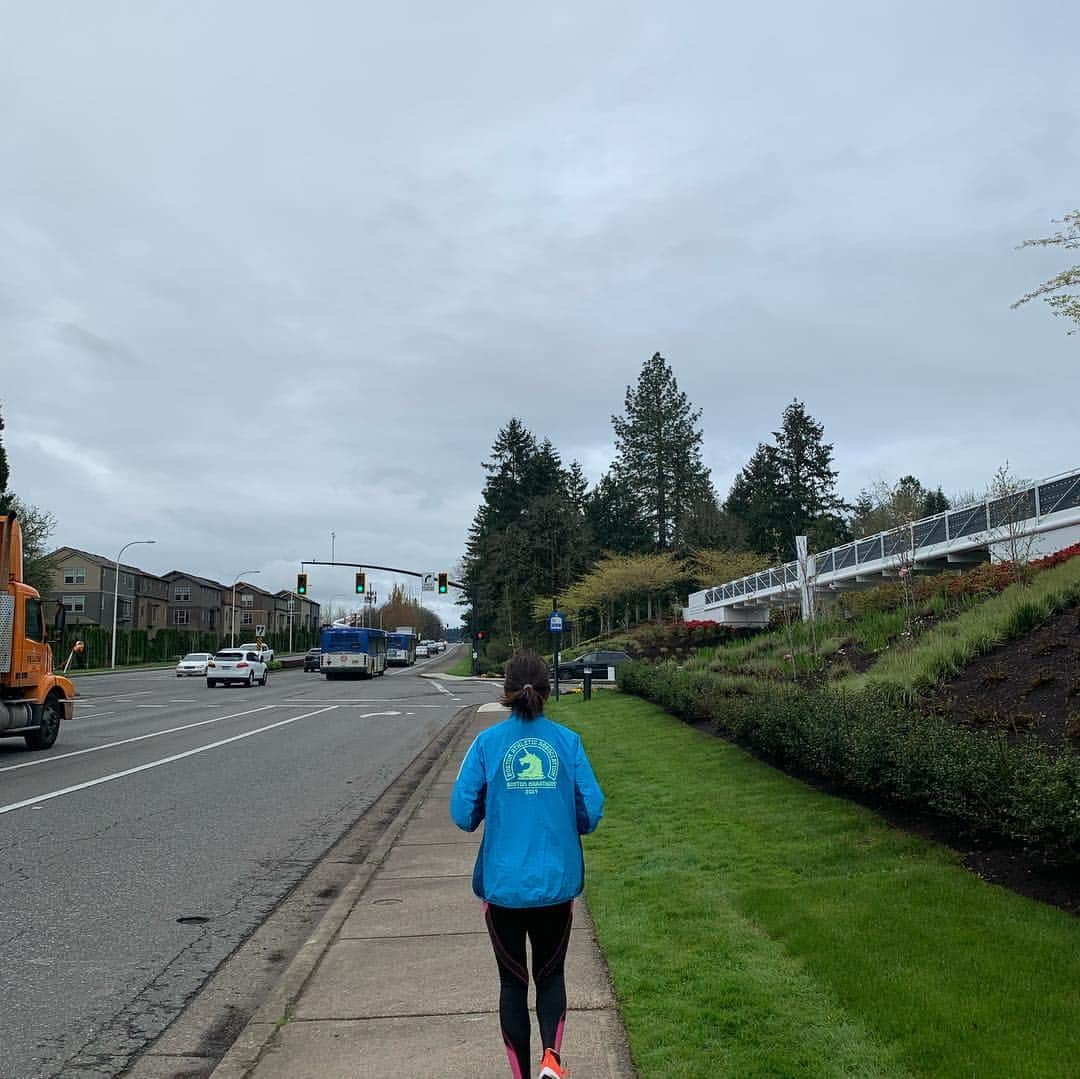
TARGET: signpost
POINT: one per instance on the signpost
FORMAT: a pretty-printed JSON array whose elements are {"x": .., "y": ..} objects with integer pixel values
[
  {"x": 429, "y": 583},
  {"x": 555, "y": 628}
]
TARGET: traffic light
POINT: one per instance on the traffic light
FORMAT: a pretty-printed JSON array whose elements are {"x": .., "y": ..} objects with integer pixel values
[
  {"x": 301, "y": 584},
  {"x": 361, "y": 583},
  {"x": 480, "y": 634},
  {"x": 442, "y": 583}
]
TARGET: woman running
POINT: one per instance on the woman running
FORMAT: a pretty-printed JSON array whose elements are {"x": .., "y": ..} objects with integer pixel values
[{"x": 529, "y": 780}]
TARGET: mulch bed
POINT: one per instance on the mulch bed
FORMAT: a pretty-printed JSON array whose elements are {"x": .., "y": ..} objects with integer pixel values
[{"x": 1028, "y": 688}]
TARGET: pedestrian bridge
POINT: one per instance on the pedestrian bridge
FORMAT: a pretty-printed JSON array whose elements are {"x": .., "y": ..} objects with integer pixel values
[{"x": 1040, "y": 519}]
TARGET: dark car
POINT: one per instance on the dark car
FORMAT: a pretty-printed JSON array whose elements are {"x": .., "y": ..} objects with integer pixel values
[
  {"x": 598, "y": 662},
  {"x": 312, "y": 659}
]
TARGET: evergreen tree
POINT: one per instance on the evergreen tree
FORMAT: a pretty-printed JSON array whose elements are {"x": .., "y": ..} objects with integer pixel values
[
  {"x": 883, "y": 507},
  {"x": 528, "y": 536},
  {"x": 658, "y": 446},
  {"x": 4, "y": 473},
  {"x": 614, "y": 519},
  {"x": 789, "y": 489}
]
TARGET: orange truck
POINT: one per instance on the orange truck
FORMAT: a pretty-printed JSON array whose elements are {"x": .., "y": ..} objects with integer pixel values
[{"x": 33, "y": 700}]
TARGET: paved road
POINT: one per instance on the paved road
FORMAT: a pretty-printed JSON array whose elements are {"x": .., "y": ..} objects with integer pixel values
[{"x": 165, "y": 801}]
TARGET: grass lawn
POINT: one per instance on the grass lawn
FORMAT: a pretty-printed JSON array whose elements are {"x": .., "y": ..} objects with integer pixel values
[
  {"x": 463, "y": 667},
  {"x": 756, "y": 927}
]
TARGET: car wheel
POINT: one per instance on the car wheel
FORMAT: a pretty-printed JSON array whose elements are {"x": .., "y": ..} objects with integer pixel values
[
  {"x": 250, "y": 679},
  {"x": 210, "y": 683},
  {"x": 45, "y": 735},
  {"x": 265, "y": 678}
]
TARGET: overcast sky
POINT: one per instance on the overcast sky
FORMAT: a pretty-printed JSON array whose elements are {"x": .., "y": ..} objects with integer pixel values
[{"x": 270, "y": 270}]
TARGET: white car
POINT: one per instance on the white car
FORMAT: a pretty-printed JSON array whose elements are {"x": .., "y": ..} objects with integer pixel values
[
  {"x": 237, "y": 666},
  {"x": 266, "y": 653},
  {"x": 194, "y": 663},
  {"x": 422, "y": 650}
]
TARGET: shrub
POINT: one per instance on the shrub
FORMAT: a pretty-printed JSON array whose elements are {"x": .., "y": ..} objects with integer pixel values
[{"x": 868, "y": 743}]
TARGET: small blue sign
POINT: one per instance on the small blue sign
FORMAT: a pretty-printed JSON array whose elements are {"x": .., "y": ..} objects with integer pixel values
[{"x": 555, "y": 622}]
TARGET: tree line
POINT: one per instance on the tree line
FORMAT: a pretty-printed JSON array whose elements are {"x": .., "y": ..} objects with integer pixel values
[{"x": 653, "y": 527}]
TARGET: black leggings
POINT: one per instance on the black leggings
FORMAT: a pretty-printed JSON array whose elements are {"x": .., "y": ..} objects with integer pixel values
[{"x": 548, "y": 930}]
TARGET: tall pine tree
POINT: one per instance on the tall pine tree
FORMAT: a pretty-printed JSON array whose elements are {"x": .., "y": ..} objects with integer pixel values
[
  {"x": 658, "y": 447},
  {"x": 788, "y": 489}
]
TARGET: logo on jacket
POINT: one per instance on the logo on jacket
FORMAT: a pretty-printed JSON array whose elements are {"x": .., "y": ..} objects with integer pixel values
[{"x": 529, "y": 764}]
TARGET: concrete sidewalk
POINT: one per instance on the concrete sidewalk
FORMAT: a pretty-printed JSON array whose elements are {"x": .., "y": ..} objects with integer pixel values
[{"x": 401, "y": 982}]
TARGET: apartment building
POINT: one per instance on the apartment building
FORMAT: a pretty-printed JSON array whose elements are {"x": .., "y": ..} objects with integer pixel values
[
  {"x": 86, "y": 586},
  {"x": 195, "y": 603}
]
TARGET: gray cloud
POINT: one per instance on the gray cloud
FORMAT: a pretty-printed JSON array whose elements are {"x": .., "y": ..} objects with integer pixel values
[{"x": 332, "y": 250}]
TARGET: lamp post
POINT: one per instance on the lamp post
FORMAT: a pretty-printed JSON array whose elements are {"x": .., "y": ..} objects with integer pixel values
[
  {"x": 232, "y": 633},
  {"x": 116, "y": 593}
]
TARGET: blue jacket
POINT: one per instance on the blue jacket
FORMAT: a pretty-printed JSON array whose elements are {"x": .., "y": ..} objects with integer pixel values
[{"x": 531, "y": 783}]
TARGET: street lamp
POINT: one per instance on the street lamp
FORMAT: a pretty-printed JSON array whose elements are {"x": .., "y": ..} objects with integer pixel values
[
  {"x": 116, "y": 593},
  {"x": 232, "y": 634}
]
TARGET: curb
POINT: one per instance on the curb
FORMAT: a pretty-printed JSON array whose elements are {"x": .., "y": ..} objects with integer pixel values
[{"x": 259, "y": 1031}]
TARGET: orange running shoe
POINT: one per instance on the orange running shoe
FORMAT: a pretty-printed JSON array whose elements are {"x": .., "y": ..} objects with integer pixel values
[{"x": 551, "y": 1066}]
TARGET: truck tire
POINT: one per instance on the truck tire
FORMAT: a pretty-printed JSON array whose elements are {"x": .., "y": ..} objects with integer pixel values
[{"x": 45, "y": 735}]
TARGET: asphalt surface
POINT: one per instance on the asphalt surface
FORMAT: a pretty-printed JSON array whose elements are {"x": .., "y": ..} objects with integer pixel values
[{"x": 161, "y": 829}]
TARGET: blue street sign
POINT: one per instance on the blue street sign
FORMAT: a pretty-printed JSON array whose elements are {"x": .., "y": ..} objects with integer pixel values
[{"x": 555, "y": 622}]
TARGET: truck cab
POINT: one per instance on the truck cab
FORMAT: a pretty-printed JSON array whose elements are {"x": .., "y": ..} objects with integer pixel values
[{"x": 33, "y": 699}]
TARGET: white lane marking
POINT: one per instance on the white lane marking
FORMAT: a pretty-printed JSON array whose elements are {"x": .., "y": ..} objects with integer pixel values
[
  {"x": 92, "y": 715},
  {"x": 372, "y": 715},
  {"x": 441, "y": 688},
  {"x": 492, "y": 707},
  {"x": 156, "y": 764},
  {"x": 149, "y": 706},
  {"x": 111, "y": 696},
  {"x": 183, "y": 700},
  {"x": 135, "y": 738},
  {"x": 357, "y": 700}
]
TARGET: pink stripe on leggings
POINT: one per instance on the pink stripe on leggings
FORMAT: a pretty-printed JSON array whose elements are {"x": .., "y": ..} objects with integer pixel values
[
  {"x": 558, "y": 1034},
  {"x": 515, "y": 1067}
]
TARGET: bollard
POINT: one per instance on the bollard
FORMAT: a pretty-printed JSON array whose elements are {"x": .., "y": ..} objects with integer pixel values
[{"x": 586, "y": 685}]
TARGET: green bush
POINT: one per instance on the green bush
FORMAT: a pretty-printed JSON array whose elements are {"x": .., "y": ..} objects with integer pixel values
[{"x": 869, "y": 743}]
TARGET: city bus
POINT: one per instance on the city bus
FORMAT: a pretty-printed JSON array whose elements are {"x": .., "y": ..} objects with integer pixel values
[
  {"x": 349, "y": 651},
  {"x": 401, "y": 648}
]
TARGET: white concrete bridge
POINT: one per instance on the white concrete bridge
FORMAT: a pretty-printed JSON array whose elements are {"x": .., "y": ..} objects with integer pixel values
[{"x": 1039, "y": 519}]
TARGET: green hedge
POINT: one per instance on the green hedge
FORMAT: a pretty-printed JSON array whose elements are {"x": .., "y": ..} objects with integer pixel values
[
  {"x": 867, "y": 742},
  {"x": 168, "y": 645}
]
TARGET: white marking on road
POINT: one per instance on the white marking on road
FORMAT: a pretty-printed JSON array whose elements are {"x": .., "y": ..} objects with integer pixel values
[
  {"x": 135, "y": 738},
  {"x": 112, "y": 696},
  {"x": 149, "y": 706},
  {"x": 92, "y": 715},
  {"x": 183, "y": 700},
  {"x": 157, "y": 764},
  {"x": 494, "y": 706},
  {"x": 441, "y": 688},
  {"x": 372, "y": 715}
]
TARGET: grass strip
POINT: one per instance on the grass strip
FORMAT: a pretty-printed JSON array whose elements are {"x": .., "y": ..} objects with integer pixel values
[{"x": 756, "y": 927}]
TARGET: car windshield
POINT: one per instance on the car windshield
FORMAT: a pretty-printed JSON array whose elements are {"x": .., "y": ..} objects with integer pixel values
[
  {"x": 195, "y": 657},
  {"x": 229, "y": 655}
]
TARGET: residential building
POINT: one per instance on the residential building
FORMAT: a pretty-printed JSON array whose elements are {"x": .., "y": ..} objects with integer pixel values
[
  {"x": 85, "y": 585},
  {"x": 195, "y": 603},
  {"x": 253, "y": 607},
  {"x": 305, "y": 612}
]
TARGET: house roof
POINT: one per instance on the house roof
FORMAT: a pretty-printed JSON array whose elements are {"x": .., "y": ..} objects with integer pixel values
[
  {"x": 100, "y": 560},
  {"x": 207, "y": 581}
]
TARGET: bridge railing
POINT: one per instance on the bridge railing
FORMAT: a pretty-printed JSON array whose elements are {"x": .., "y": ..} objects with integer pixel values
[{"x": 1056, "y": 494}]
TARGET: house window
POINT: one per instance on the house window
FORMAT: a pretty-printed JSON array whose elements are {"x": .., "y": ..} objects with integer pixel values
[
  {"x": 74, "y": 604},
  {"x": 182, "y": 593},
  {"x": 180, "y": 618},
  {"x": 213, "y": 618},
  {"x": 75, "y": 575},
  {"x": 247, "y": 599},
  {"x": 124, "y": 610},
  {"x": 126, "y": 580},
  {"x": 246, "y": 619}
]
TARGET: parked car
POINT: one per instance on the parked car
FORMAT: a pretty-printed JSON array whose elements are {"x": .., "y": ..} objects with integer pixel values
[
  {"x": 422, "y": 650},
  {"x": 598, "y": 662},
  {"x": 266, "y": 653},
  {"x": 313, "y": 659},
  {"x": 194, "y": 663},
  {"x": 233, "y": 665}
]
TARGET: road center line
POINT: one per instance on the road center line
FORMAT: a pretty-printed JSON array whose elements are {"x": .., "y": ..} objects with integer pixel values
[
  {"x": 135, "y": 738},
  {"x": 157, "y": 764}
]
